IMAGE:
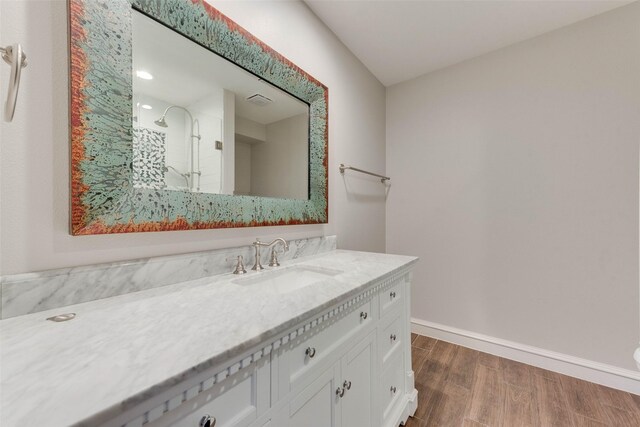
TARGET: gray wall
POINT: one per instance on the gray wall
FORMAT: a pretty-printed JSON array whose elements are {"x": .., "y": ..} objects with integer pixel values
[
  {"x": 34, "y": 166},
  {"x": 515, "y": 179},
  {"x": 279, "y": 166},
  {"x": 242, "y": 184}
]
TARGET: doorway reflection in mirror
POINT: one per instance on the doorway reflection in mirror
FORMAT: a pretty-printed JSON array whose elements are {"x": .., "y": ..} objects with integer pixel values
[{"x": 185, "y": 151}]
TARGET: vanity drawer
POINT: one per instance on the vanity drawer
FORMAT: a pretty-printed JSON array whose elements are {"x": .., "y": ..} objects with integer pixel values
[
  {"x": 315, "y": 347},
  {"x": 390, "y": 336},
  {"x": 391, "y": 298},
  {"x": 232, "y": 403},
  {"x": 392, "y": 386}
]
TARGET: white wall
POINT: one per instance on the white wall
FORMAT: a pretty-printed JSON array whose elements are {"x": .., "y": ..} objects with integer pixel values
[
  {"x": 34, "y": 167},
  {"x": 229, "y": 142},
  {"x": 250, "y": 128},
  {"x": 208, "y": 111},
  {"x": 280, "y": 166},
  {"x": 515, "y": 179},
  {"x": 3, "y": 76},
  {"x": 242, "y": 168},
  {"x": 247, "y": 133}
]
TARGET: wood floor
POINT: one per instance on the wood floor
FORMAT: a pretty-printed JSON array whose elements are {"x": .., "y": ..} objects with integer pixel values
[{"x": 461, "y": 387}]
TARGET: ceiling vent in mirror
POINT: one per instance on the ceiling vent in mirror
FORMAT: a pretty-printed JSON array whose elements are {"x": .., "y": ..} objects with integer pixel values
[{"x": 259, "y": 100}]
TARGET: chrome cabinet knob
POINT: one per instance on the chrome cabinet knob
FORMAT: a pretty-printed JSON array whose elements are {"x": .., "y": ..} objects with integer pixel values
[
  {"x": 207, "y": 421},
  {"x": 347, "y": 385},
  {"x": 392, "y": 295},
  {"x": 363, "y": 315},
  {"x": 340, "y": 392},
  {"x": 310, "y": 351},
  {"x": 393, "y": 337},
  {"x": 393, "y": 389}
]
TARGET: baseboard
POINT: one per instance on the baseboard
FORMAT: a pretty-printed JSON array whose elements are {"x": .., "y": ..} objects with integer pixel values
[{"x": 599, "y": 373}]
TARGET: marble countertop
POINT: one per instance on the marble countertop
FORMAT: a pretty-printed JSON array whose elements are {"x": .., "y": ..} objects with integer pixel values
[{"x": 132, "y": 347}]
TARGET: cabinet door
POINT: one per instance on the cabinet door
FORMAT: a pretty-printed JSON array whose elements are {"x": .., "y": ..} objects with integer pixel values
[
  {"x": 316, "y": 405},
  {"x": 358, "y": 380}
]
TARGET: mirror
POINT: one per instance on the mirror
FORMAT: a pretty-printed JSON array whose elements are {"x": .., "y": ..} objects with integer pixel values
[
  {"x": 181, "y": 120},
  {"x": 197, "y": 115}
]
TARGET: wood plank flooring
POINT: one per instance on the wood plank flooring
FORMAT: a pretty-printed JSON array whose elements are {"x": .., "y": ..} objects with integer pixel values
[{"x": 461, "y": 387}]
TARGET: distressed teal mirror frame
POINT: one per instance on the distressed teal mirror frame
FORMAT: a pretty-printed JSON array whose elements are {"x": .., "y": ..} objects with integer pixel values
[{"x": 103, "y": 198}]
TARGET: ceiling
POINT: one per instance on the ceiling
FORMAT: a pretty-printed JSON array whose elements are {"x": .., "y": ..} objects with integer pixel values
[{"x": 398, "y": 40}]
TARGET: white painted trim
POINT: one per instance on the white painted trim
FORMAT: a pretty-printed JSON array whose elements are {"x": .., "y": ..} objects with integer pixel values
[{"x": 599, "y": 373}]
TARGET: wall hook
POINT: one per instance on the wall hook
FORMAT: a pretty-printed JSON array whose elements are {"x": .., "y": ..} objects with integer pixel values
[{"x": 16, "y": 58}]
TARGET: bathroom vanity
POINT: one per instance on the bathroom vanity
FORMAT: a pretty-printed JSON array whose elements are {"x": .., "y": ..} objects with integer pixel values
[{"x": 320, "y": 341}]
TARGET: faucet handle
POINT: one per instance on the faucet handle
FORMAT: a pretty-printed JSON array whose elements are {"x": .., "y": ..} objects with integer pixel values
[
  {"x": 239, "y": 269},
  {"x": 274, "y": 258}
]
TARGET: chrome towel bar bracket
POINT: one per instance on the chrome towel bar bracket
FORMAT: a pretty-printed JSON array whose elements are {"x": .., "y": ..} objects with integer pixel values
[
  {"x": 16, "y": 58},
  {"x": 383, "y": 178}
]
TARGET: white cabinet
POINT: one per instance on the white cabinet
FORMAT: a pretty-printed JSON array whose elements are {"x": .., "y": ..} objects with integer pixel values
[
  {"x": 358, "y": 383},
  {"x": 342, "y": 396},
  {"x": 391, "y": 390},
  {"x": 315, "y": 406},
  {"x": 392, "y": 297},
  {"x": 232, "y": 407},
  {"x": 346, "y": 366},
  {"x": 302, "y": 357}
]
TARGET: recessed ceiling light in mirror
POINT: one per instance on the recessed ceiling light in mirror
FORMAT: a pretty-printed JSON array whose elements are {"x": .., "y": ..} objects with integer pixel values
[
  {"x": 147, "y": 107},
  {"x": 144, "y": 75}
]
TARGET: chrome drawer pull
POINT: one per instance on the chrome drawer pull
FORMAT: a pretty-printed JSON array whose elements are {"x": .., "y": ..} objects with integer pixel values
[
  {"x": 393, "y": 389},
  {"x": 340, "y": 392},
  {"x": 393, "y": 337},
  {"x": 392, "y": 295},
  {"x": 363, "y": 315},
  {"x": 207, "y": 421},
  {"x": 310, "y": 351},
  {"x": 347, "y": 385}
]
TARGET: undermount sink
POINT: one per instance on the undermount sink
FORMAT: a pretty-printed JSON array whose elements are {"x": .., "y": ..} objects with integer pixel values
[{"x": 288, "y": 279}]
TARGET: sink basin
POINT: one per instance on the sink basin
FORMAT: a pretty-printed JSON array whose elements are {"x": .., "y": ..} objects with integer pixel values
[{"x": 288, "y": 279}]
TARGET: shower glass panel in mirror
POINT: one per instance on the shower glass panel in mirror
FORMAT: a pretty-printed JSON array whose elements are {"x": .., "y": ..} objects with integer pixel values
[{"x": 204, "y": 124}]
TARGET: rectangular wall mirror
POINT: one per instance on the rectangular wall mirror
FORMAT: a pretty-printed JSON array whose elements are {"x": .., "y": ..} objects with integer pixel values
[
  {"x": 183, "y": 98},
  {"x": 181, "y": 120}
]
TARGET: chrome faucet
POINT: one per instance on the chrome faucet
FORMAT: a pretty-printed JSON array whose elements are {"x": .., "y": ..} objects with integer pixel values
[{"x": 257, "y": 244}]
